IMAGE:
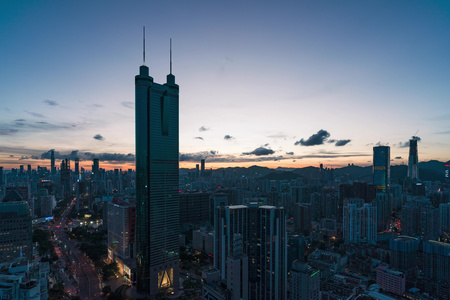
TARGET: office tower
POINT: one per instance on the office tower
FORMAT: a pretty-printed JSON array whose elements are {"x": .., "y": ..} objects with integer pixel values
[
  {"x": 264, "y": 242},
  {"x": 121, "y": 230},
  {"x": 15, "y": 222},
  {"x": 403, "y": 255},
  {"x": 302, "y": 217},
  {"x": 95, "y": 167},
  {"x": 202, "y": 163},
  {"x": 413, "y": 161},
  {"x": 52, "y": 162},
  {"x": 436, "y": 261},
  {"x": 197, "y": 171},
  {"x": 29, "y": 170},
  {"x": 359, "y": 221},
  {"x": 1, "y": 177},
  {"x": 157, "y": 204},
  {"x": 66, "y": 181},
  {"x": 77, "y": 167},
  {"x": 21, "y": 170},
  {"x": 304, "y": 282},
  {"x": 381, "y": 168}
]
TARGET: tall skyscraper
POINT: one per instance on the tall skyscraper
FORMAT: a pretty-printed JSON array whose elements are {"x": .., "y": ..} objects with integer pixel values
[
  {"x": 52, "y": 162},
  {"x": 381, "y": 167},
  {"x": 157, "y": 204},
  {"x": 264, "y": 243},
  {"x": 202, "y": 163},
  {"x": 77, "y": 167},
  {"x": 413, "y": 161}
]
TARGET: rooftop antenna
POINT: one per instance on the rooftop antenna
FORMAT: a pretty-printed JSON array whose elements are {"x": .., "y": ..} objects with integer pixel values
[
  {"x": 144, "y": 45},
  {"x": 170, "y": 56}
]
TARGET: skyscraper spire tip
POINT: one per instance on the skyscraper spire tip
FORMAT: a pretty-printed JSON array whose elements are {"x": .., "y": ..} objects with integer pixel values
[
  {"x": 171, "y": 56},
  {"x": 144, "y": 44}
]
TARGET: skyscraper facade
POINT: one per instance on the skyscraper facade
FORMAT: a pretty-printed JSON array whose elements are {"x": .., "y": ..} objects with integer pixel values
[
  {"x": 157, "y": 204},
  {"x": 264, "y": 242},
  {"x": 413, "y": 161},
  {"x": 381, "y": 167}
]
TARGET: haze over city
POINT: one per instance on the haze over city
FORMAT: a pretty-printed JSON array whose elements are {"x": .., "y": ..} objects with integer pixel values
[{"x": 286, "y": 84}]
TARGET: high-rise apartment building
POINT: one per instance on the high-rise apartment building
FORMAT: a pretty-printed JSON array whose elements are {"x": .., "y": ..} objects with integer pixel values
[
  {"x": 403, "y": 255},
  {"x": 157, "y": 203},
  {"x": 436, "y": 261},
  {"x": 360, "y": 221},
  {"x": 381, "y": 168}
]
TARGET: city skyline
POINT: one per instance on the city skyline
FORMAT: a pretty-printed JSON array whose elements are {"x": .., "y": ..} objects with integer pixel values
[{"x": 270, "y": 85}]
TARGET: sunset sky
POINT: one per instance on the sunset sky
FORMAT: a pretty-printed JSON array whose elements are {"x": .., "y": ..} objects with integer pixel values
[{"x": 271, "y": 83}]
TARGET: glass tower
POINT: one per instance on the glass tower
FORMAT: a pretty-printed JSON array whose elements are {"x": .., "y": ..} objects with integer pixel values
[
  {"x": 157, "y": 207},
  {"x": 381, "y": 167}
]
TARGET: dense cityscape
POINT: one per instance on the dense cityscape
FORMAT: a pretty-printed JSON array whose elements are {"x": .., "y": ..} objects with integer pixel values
[
  {"x": 231, "y": 233},
  {"x": 300, "y": 152}
]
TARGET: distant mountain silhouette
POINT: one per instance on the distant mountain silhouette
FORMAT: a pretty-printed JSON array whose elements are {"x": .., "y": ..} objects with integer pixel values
[{"x": 432, "y": 170}]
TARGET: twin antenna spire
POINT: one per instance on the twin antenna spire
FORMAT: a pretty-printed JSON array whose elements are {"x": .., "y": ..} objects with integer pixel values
[{"x": 143, "y": 53}]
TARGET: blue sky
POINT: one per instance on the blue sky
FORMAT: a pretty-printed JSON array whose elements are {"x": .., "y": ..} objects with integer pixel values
[{"x": 264, "y": 73}]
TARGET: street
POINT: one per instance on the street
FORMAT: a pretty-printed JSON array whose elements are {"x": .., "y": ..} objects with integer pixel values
[{"x": 84, "y": 271}]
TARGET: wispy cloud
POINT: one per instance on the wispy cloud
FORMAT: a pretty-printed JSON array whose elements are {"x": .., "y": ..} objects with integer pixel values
[
  {"x": 128, "y": 104},
  {"x": 198, "y": 138},
  {"x": 34, "y": 114},
  {"x": 203, "y": 128},
  {"x": 228, "y": 137},
  {"x": 50, "y": 102}
]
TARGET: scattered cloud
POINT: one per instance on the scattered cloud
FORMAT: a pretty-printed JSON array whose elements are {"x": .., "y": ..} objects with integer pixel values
[
  {"x": 109, "y": 156},
  {"x": 315, "y": 139},
  {"x": 203, "y": 128},
  {"x": 50, "y": 102},
  {"x": 341, "y": 143},
  {"x": 260, "y": 151},
  {"x": 11, "y": 155},
  {"x": 398, "y": 157},
  {"x": 128, "y": 104},
  {"x": 198, "y": 155},
  {"x": 289, "y": 153},
  {"x": 198, "y": 138},
  {"x": 277, "y": 136},
  {"x": 23, "y": 157},
  {"x": 34, "y": 114},
  {"x": 119, "y": 157},
  {"x": 228, "y": 137},
  {"x": 98, "y": 137}
]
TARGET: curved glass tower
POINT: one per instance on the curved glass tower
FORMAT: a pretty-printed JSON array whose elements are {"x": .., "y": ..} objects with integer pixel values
[{"x": 157, "y": 207}]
